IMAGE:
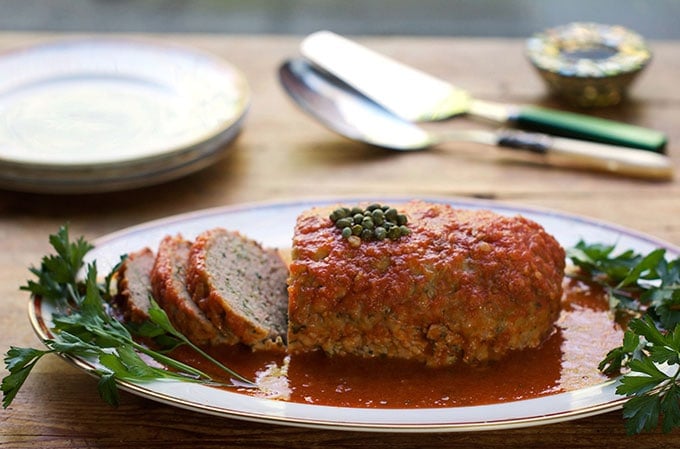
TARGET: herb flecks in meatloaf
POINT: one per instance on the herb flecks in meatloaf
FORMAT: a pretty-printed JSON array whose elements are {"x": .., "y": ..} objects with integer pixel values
[
  {"x": 464, "y": 285},
  {"x": 134, "y": 285},
  {"x": 240, "y": 286},
  {"x": 168, "y": 280}
]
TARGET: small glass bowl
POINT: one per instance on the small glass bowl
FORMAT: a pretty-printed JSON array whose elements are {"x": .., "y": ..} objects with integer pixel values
[{"x": 588, "y": 64}]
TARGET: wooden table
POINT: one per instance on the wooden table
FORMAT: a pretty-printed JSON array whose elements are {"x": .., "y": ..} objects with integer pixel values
[{"x": 282, "y": 154}]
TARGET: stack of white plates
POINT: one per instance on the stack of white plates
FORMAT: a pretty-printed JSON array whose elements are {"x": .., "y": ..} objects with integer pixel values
[{"x": 101, "y": 115}]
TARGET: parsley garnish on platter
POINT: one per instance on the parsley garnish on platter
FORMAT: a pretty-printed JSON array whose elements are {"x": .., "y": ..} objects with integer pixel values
[
  {"x": 84, "y": 328},
  {"x": 644, "y": 289}
]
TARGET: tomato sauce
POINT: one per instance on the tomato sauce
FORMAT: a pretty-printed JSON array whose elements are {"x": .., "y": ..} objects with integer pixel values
[{"x": 566, "y": 361}]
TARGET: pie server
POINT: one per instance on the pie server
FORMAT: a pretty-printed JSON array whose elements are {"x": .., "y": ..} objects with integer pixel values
[{"x": 416, "y": 96}]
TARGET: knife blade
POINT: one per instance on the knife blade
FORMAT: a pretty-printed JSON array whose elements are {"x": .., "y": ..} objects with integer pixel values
[{"x": 417, "y": 96}]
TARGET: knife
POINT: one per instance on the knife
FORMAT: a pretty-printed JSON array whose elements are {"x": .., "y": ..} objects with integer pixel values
[{"x": 417, "y": 96}]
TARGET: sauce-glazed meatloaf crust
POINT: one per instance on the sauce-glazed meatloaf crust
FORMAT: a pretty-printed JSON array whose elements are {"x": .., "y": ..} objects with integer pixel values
[
  {"x": 134, "y": 285},
  {"x": 462, "y": 286},
  {"x": 168, "y": 281},
  {"x": 240, "y": 286}
]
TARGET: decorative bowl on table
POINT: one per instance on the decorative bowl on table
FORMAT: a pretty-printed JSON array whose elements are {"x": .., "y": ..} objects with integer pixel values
[{"x": 588, "y": 64}]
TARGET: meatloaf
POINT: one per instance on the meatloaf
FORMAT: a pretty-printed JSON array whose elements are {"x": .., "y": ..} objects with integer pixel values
[
  {"x": 463, "y": 285},
  {"x": 240, "y": 286},
  {"x": 168, "y": 281},
  {"x": 134, "y": 285}
]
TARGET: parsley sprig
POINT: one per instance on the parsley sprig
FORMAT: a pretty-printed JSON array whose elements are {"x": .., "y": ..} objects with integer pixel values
[
  {"x": 84, "y": 328},
  {"x": 645, "y": 289}
]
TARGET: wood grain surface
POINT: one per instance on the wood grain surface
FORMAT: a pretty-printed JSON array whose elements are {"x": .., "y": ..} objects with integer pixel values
[{"x": 281, "y": 154}]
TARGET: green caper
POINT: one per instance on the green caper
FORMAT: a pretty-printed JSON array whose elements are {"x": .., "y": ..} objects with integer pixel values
[
  {"x": 339, "y": 213},
  {"x": 367, "y": 223},
  {"x": 373, "y": 207},
  {"x": 366, "y": 234},
  {"x": 393, "y": 233},
  {"x": 356, "y": 210},
  {"x": 343, "y": 223},
  {"x": 402, "y": 219},
  {"x": 356, "y": 229},
  {"x": 391, "y": 214},
  {"x": 380, "y": 233},
  {"x": 358, "y": 218},
  {"x": 346, "y": 232},
  {"x": 403, "y": 230}
]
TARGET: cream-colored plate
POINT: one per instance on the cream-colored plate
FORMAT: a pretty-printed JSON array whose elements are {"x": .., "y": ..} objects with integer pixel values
[
  {"x": 105, "y": 114},
  {"x": 272, "y": 224}
]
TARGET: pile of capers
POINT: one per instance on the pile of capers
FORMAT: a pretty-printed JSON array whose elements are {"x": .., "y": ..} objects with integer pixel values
[{"x": 375, "y": 222}]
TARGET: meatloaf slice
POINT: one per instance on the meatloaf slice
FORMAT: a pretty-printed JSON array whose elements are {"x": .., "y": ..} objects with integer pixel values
[
  {"x": 464, "y": 285},
  {"x": 240, "y": 286},
  {"x": 168, "y": 281},
  {"x": 134, "y": 285}
]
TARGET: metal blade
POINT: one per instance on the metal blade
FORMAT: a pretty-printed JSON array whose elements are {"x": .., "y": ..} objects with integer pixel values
[{"x": 407, "y": 92}]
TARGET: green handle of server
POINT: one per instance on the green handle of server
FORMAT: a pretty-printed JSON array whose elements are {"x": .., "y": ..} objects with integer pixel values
[{"x": 579, "y": 126}]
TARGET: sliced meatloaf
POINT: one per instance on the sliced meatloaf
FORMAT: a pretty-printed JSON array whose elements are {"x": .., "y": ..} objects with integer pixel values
[
  {"x": 168, "y": 281},
  {"x": 240, "y": 286},
  {"x": 463, "y": 285},
  {"x": 134, "y": 285}
]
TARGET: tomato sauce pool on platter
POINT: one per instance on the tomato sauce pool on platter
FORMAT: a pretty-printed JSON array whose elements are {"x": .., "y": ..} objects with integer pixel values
[{"x": 566, "y": 361}]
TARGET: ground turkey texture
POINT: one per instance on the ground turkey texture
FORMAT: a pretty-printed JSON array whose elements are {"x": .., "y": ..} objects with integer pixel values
[{"x": 464, "y": 285}]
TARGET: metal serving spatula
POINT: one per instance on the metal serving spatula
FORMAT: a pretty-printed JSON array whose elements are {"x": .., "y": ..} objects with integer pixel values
[{"x": 417, "y": 96}]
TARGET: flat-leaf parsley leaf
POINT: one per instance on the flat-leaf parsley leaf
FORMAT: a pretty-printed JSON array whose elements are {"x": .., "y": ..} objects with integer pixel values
[{"x": 645, "y": 289}]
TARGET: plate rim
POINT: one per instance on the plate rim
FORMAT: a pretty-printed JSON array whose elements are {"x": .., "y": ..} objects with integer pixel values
[{"x": 143, "y": 390}]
